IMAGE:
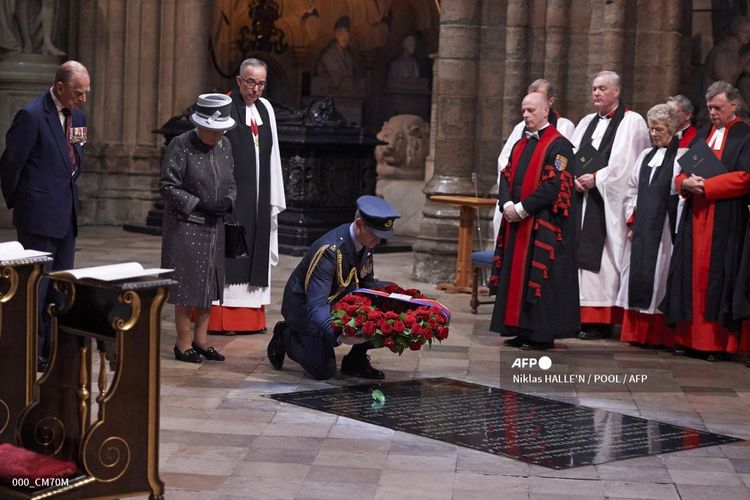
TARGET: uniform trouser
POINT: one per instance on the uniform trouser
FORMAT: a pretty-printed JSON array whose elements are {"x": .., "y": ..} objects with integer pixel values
[
  {"x": 63, "y": 257},
  {"x": 315, "y": 353}
]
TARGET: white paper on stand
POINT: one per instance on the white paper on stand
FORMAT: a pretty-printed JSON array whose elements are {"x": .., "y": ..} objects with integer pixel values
[
  {"x": 13, "y": 250},
  {"x": 111, "y": 272}
]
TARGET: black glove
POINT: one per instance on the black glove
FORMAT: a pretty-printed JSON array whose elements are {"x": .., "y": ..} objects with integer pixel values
[{"x": 215, "y": 207}]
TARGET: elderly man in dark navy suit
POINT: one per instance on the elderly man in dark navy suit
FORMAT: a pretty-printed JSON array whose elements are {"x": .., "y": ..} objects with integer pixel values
[
  {"x": 337, "y": 263},
  {"x": 38, "y": 172}
]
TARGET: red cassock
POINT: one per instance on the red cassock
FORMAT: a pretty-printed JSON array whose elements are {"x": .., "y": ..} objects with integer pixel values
[{"x": 708, "y": 250}]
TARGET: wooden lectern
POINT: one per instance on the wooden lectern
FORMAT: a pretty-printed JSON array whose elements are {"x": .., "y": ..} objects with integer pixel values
[
  {"x": 468, "y": 206},
  {"x": 19, "y": 280},
  {"x": 117, "y": 455}
]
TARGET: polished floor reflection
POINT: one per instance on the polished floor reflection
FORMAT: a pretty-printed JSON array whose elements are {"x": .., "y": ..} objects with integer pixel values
[{"x": 528, "y": 428}]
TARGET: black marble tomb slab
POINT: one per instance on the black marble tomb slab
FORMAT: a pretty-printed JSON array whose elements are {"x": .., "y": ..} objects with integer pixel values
[{"x": 528, "y": 428}]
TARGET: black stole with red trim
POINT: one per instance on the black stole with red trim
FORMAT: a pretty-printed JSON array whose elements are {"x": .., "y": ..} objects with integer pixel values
[{"x": 536, "y": 234}]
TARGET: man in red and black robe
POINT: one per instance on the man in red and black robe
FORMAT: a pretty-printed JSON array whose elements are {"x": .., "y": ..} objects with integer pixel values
[
  {"x": 708, "y": 249},
  {"x": 535, "y": 269}
]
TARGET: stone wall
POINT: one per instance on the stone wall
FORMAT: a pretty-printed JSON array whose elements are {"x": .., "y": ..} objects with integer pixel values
[{"x": 148, "y": 60}]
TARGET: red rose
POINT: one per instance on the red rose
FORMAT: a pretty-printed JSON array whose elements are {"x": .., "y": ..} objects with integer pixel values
[
  {"x": 391, "y": 315},
  {"x": 410, "y": 319},
  {"x": 427, "y": 334},
  {"x": 369, "y": 328},
  {"x": 345, "y": 319},
  {"x": 416, "y": 330},
  {"x": 398, "y": 326},
  {"x": 415, "y": 346},
  {"x": 442, "y": 333},
  {"x": 389, "y": 343},
  {"x": 385, "y": 327},
  {"x": 349, "y": 331},
  {"x": 432, "y": 324},
  {"x": 413, "y": 292},
  {"x": 359, "y": 320},
  {"x": 441, "y": 319},
  {"x": 374, "y": 315}
]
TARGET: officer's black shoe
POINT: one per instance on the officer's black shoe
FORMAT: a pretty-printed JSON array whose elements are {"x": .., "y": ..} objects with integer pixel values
[
  {"x": 679, "y": 351},
  {"x": 275, "y": 349},
  {"x": 41, "y": 364},
  {"x": 514, "y": 342},
  {"x": 359, "y": 366}
]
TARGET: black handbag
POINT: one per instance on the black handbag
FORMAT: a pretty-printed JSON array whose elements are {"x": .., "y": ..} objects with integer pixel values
[{"x": 234, "y": 239}]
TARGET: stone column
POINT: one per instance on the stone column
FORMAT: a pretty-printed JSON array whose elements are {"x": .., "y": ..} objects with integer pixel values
[
  {"x": 148, "y": 60},
  {"x": 658, "y": 54},
  {"x": 455, "y": 123}
]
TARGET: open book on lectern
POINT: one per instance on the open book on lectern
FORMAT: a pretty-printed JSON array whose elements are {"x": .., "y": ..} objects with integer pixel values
[
  {"x": 13, "y": 250},
  {"x": 111, "y": 272}
]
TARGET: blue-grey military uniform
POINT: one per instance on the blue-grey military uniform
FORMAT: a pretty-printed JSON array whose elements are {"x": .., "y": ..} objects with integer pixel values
[{"x": 332, "y": 268}]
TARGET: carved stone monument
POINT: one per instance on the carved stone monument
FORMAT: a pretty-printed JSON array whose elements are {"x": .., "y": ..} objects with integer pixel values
[
  {"x": 401, "y": 168},
  {"x": 327, "y": 165}
]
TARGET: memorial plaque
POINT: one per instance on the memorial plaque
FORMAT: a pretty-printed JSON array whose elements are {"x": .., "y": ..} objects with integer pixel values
[{"x": 528, "y": 428}]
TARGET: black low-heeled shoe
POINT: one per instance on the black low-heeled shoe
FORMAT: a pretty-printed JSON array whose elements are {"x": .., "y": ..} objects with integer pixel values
[
  {"x": 210, "y": 353},
  {"x": 188, "y": 355}
]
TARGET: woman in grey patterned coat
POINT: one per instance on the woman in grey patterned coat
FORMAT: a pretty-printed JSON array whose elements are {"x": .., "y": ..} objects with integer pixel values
[{"x": 197, "y": 184}]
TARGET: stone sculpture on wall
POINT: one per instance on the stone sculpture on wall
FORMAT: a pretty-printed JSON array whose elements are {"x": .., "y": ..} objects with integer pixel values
[
  {"x": 408, "y": 145},
  {"x": 338, "y": 63},
  {"x": 403, "y": 71},
  {"x": 21, "y": 23}
]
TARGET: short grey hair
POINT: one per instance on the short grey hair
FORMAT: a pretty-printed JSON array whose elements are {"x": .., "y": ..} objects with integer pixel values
[
  {"x": 613, "y": 77},
  {"x": 722, "y": 87},
  {"x": 683, "y": 102},
  {"x": 67, "y": 71},
  {"x": 542, "y": 83},
  {"x": 665, "y": 114},
  {"x": 255, "y": 63}
]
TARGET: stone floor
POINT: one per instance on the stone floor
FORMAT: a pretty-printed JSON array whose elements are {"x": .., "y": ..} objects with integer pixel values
[{"x": 222, "y": 437}]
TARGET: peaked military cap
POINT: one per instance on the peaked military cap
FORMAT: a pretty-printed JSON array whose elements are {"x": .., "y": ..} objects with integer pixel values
[{"x": 378, "y": 214}]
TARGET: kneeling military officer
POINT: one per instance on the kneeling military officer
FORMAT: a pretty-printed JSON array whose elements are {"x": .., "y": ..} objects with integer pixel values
[{"x": 336, "y": 264}]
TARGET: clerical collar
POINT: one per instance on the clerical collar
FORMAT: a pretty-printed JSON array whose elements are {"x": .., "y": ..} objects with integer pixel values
[
  {"x": 357, "y": 245},
  {"x": 608, "y": 115},
  {"x": 251, "y": 112},
  {"x": 658, "y": 157},
  {"x": 539, "y": 130}
]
